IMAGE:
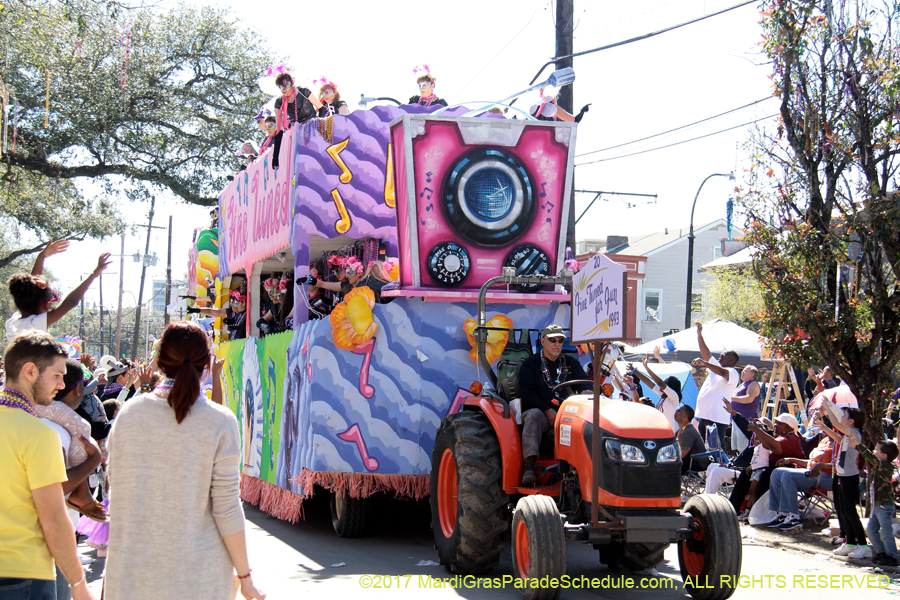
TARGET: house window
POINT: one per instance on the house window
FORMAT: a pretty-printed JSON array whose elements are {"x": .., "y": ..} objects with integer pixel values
[
  {"x": 652, "y": 305},
  {"x": 717, "y": 253},
  {"x": 696, "y": 303}
]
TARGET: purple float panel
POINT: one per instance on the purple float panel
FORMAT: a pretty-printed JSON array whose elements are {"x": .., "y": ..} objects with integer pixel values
[
  {"x": 342, "y": 184},
  {"x": 476, "y": 195}
]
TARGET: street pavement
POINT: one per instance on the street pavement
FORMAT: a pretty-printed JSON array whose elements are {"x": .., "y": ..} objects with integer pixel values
[{"x": 308, "y": 560}]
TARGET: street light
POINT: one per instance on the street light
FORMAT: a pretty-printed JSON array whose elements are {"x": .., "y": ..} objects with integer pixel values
[{"x": 690, "y": 271}]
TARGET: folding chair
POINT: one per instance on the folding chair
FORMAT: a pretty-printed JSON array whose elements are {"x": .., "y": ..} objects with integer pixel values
[
  {"x": 816, "y": 498},
  {"x": 693, "y": 482}
]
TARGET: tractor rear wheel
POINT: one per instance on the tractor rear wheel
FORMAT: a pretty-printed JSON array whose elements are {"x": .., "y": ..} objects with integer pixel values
[
  {"x": 348, "y": 515},
  {"x": 712, "y": 556},
  {"x": 468, "y": 506},
  {"x": 538, "y": 546},
  {"x": 635, "y": 556}
]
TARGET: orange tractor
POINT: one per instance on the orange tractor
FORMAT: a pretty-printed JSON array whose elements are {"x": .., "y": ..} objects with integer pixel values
[{"x": 612, "y": 479}]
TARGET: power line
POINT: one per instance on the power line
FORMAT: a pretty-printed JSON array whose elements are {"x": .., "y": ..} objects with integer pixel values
[
  {"x": 639, "y": 38},
  {"x": 676, "y": 129},
  {"x": 678, "y": 143}
]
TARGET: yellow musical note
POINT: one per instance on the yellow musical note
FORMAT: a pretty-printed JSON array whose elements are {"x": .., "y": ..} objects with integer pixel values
[
  {"x": 390, "y": 195},
  {"x": 343, "y": 224},
  {"x": 333, "y": 152}
]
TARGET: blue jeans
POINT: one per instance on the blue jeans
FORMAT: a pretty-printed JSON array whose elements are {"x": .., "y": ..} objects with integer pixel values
[
  {"x": 785, "y": 485},
  {"x": 63, "y": 591},
  {"x": 880, "y": 532},
  {"x": 27, "y": 589}
]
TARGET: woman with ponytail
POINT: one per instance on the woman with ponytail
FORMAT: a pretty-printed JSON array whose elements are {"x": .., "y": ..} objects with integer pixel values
[{"x": 184, "y": 540}]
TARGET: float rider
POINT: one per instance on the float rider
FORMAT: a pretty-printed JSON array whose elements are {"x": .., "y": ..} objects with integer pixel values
[{"x": 537, "y": 376}]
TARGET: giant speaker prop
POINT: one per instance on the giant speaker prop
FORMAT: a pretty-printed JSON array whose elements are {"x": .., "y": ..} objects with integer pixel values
[{"x": 475, "y": 195}]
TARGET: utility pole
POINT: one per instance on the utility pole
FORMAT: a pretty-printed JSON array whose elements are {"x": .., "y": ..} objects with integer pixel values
[
  {"x": 565, "y": 26},
  {"x": 168, "y": 274},
  {"x": 121, "y": 287},
  {"x": 140, "y": 298},
  {"x": 81, "y": 325}
]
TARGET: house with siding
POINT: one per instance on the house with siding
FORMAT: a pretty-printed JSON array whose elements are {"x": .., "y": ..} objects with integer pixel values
[{"x": 660, "y": 280}]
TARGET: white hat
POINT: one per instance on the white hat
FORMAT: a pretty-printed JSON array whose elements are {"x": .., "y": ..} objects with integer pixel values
[
  {"x": 112, "y": 367},
  {"x": 788, "y": 419}
]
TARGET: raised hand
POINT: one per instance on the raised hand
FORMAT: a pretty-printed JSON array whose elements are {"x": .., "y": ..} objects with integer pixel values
[
  {"x": 103, "y": 262},
  {"x": 88, "y": 361},
  {"x": 699, "y": 327},
  {"x": 55, "y": 248},
  {"x": 145, "y": 375}
]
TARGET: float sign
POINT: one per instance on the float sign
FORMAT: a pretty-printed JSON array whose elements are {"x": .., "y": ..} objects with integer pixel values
[{"x": 598, "y": 301}]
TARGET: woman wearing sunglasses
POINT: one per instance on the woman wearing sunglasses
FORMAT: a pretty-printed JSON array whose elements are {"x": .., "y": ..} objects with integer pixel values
[
  {"x": 296, "y": 104},
  {"x": 34, "y": 298},
  {"x": 426, "y": 95},
  {"x": 331, "y": 99},
  {"x": 268, "y": 126}
]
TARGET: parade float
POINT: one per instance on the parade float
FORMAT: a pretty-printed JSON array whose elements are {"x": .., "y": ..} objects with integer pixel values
[{"x": 352, "y": 402}]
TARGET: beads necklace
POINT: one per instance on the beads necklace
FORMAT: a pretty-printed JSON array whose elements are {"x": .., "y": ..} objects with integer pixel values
[
  {"x": 561, "y": 374},
  {"x": 15, "y": 399}
]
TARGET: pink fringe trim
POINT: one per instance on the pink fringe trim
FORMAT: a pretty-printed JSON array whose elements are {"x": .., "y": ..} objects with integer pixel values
[
  {"x": 363, "y": 485},
  {"x": 280, "y": 503},
  {"x": 288, "y": 506}
]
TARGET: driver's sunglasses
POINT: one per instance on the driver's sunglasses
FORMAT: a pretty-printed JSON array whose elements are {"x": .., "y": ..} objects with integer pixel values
[{"x": 556, "y": 340}]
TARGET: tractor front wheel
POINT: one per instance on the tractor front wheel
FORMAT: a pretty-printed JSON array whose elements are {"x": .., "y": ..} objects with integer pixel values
[
  {"x": 468, "y": 506},
  {"x": 538, "y": 546},
  {"x": 710, "y": 559}
]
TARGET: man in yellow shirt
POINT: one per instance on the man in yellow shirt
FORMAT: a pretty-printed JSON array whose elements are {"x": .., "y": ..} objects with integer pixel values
[{"x": 34, "y": 526}]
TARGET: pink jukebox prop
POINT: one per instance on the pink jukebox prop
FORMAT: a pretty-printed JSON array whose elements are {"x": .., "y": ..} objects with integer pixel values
[{"x": 475, "y": 195}]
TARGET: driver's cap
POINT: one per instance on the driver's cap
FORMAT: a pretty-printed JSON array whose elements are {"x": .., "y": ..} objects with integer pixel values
[{"x": 553, "y": 331}]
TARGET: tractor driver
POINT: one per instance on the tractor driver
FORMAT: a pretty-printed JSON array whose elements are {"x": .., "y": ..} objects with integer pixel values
[{"x": 538, "y": 374}]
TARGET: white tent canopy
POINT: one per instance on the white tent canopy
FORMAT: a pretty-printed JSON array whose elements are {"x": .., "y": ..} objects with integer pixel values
[{"x": 720, "y": 335}]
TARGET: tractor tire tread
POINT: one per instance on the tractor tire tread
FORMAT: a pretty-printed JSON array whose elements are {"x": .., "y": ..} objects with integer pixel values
[
  {"x": 481, "y": 523},
  {"x": 724, "y": 547}
]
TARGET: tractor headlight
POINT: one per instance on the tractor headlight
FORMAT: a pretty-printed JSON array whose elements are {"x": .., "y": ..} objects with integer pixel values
[
  {"x": 668, "y": 454},
  {"x": 624, "y": 452}
]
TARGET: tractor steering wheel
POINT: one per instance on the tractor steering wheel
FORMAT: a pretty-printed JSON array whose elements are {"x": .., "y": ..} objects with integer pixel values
[{"x": 554, "y": 389}]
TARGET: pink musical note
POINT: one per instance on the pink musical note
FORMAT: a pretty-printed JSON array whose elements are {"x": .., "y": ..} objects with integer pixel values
[
  {"x": 354, "y": 435},
  {"x": 543, "y": 193},
  {"x": 430, "y": 192},
  {"x": 366, "y": 349},
  {"x": 428, "y": 176}
]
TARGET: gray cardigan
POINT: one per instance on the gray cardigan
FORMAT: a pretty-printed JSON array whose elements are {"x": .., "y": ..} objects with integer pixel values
[{"x": 174, "y": 492}]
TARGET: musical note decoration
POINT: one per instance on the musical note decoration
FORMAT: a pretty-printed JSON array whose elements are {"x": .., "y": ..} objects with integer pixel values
[
  {"x": 390, "y": 193},
  {"x": 365, "y": 349},
  {"x": 543, "y": 193},
  {"x": 334, "y": 152},
  {"x": 343, "y": 224},
  {"x": 354, "y": 436}
]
